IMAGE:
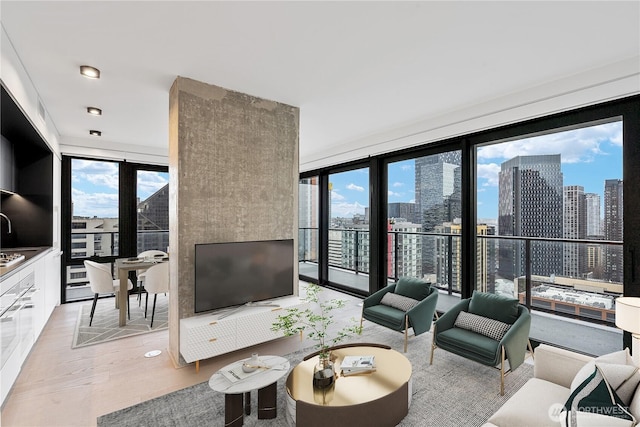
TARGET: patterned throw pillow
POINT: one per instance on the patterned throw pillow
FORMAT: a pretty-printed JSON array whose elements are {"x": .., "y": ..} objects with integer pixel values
[
  {"x": 398, "y": 301},
  {"x": 596, "y": 400},
  {"x": 482, "y": 325}
]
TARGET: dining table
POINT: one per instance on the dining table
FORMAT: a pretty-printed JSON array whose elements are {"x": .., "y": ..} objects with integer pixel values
[{"x": 124, "y": 266}]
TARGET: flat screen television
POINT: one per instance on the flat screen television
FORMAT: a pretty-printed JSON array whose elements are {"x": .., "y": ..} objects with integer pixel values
[{"x": 235, "y": 273}]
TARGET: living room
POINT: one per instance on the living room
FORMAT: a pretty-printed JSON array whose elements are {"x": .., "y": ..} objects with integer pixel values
[{"x": 363, "y": 105}]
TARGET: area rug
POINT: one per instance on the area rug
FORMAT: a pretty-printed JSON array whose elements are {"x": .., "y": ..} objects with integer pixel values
[
  {"x": 105, "y": 321},
  {"x": 452, "y": 392}
]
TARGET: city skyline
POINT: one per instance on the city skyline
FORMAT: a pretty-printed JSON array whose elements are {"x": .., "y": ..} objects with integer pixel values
[{"x": 589, "y": 157}]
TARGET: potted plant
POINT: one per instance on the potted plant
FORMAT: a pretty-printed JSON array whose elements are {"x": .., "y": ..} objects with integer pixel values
[{"x": 316, "y": 320}]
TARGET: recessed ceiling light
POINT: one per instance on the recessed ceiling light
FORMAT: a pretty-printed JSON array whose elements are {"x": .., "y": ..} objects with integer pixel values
[
  {"x": 89, "y": 71},
  {"x": 94, "y": 110},
  {"x": 95, "y": 133}
]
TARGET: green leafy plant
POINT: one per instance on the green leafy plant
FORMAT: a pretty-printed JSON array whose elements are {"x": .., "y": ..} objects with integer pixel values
[{"x": 316, "y": 322}]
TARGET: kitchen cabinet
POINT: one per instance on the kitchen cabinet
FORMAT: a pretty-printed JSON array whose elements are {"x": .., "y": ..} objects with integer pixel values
[
  {"x": 27, "y": 298},
  {"x": 7, "y": 165}
]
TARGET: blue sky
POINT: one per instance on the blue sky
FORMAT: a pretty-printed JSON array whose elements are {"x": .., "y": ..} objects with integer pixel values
[
  {"x": 94, "y": 187},
  {"x": 589, "y": 156}
]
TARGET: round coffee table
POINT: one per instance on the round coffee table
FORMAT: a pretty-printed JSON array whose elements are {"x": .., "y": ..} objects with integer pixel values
[
  {"x": 377, "y": 398},
  {"x": 233, "y": 382}
]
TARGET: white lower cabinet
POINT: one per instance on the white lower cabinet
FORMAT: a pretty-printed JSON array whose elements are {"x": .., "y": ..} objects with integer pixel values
[
  {"x": 25, "y": 313},
  {"x": 209, "y": 335}
]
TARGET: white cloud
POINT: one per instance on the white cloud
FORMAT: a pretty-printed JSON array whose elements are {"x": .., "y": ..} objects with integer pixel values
[
  {"x": 336, "y": 196},
  {"x": 405, "y": 167},
  {"x": 101, "y": 205},
  {"x": 489, "y": 172},
  {"x": 346, "y": 210},
  {"x": 574, "y": 146},
  {"x": 354, "y": 187},
  {"x": 96, "y": 172},
  {"x": 391, "y": 194},
  {"x": 149, "y": 182},
  {"x": 397, "y": 184}
]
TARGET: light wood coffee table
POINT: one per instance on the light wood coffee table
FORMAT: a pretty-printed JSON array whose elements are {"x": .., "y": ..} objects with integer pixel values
[{"x": 373, "y": 399}]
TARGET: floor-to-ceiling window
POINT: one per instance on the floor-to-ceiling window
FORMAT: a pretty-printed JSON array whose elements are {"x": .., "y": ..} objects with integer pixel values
[
  {"x": 152, "y": 201},
  {"x": 110, "y": 209},
  {"x": 549, "y": 219},
  {"x": 348, "y": 239},
  {"x": 94, "y": 220},
  {"x": 424, "y": 219},
  {"x": 308, "y": 226}
]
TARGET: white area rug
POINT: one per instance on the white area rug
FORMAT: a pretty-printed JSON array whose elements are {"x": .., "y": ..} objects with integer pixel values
[
  {"x": 105, "y": 320},
  {"x": 452, "y": 392}
]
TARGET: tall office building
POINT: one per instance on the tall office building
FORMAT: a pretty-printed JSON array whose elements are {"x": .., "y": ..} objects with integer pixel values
[
  {"x": 404, "y": 210},
  {"x": 594, "y": 225},
  {"x": 449, "y": 254},
  {"x": 613, "y": 229},
  {"x": 575, "y": 227},
  {"x": 153, "y": 221},
  {"x": 406, "y": 261},
  {"x": 530, "y": 204},
  {"x": 438, "y": 198}
]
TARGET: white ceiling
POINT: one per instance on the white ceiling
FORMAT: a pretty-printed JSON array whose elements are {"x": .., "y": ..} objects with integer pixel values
[{"x": 355, "y": 69}]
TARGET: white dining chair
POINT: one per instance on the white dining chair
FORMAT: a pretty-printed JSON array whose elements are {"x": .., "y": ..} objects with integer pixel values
[
  {"x": 140, "y": 274},
  {"x": 156, "y": 282},
  {"x": 102, "y": 282}
]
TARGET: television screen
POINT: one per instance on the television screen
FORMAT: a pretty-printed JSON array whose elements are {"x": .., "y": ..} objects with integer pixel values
[{"x": 234, "y": 273}]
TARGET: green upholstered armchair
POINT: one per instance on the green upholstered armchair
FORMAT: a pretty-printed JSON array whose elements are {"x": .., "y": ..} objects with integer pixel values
[
  {"x": 410, "y": 303},
  {"x": 491, "y": 330}
]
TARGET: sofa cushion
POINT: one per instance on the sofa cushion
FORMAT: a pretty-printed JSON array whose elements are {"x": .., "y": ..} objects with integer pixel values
[
  {"x": 494, "y": 306},
  {"x": 413, "y": 288},
  {"x": 491, "y": 328},
  {"x": 596, "y": 395},
  {"x": 469, "y": 344},
  {"x": 621, "y": 357},
  {"x": 398, "y": 301},
  {"x": 532, "y": 405},
  {"x": 386, "y": 316}
]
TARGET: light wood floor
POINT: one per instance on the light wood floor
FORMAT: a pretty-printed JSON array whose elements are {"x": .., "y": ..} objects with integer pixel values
[{"x": 61, "y": 386}]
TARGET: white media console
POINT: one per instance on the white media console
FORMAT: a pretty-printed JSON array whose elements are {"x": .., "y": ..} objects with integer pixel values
[{"x": 212, "y": 334}]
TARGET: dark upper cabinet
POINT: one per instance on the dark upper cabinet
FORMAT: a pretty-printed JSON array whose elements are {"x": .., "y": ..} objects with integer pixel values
[
  {"x": 7, "y": 165},
  {"x": 26, "y": 169}
]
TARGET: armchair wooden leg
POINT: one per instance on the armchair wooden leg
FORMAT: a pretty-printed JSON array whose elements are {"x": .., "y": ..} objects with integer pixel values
[
  {"x": 406, "y": 331},
  {"x": 530, "y": 348},
  {"x": 502, "y": 371},
  {"x": 433, "y": 345}
]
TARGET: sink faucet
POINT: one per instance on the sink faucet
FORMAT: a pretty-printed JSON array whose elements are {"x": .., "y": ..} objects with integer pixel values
[{"x": 8, "y": 221}]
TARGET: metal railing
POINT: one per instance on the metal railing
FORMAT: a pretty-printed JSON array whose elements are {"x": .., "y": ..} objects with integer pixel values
[{"x": 576, "y": 277}]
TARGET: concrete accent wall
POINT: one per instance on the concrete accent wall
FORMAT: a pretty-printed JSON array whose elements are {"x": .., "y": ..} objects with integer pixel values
[{"x": 233, "y": 168}]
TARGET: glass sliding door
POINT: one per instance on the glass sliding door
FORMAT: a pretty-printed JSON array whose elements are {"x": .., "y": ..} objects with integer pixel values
[
  {"x": 152, "y": 200},
  {"x": 308, "y": 226},
  {"x": 349, "y": 229},
  {"x": 94, "y": 220},
  {"x": 549, "y": 219},
  {"x": 424, "y": 226}
]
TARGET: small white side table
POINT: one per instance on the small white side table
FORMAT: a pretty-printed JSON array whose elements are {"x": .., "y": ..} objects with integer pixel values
[{"x": 263, "y": 380}]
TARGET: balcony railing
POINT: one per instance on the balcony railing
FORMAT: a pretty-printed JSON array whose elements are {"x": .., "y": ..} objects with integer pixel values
[{"x": 576, "y": 277}]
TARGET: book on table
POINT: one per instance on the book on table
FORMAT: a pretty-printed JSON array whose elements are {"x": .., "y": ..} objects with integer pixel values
[{"x": 352, "y": 365}]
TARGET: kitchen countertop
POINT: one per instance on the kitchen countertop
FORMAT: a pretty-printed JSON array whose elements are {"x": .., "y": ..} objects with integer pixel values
[{"x": 30, "y": 254}]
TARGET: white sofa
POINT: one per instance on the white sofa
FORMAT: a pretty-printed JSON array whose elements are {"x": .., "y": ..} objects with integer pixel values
[{"x": 540, "y": 401}]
